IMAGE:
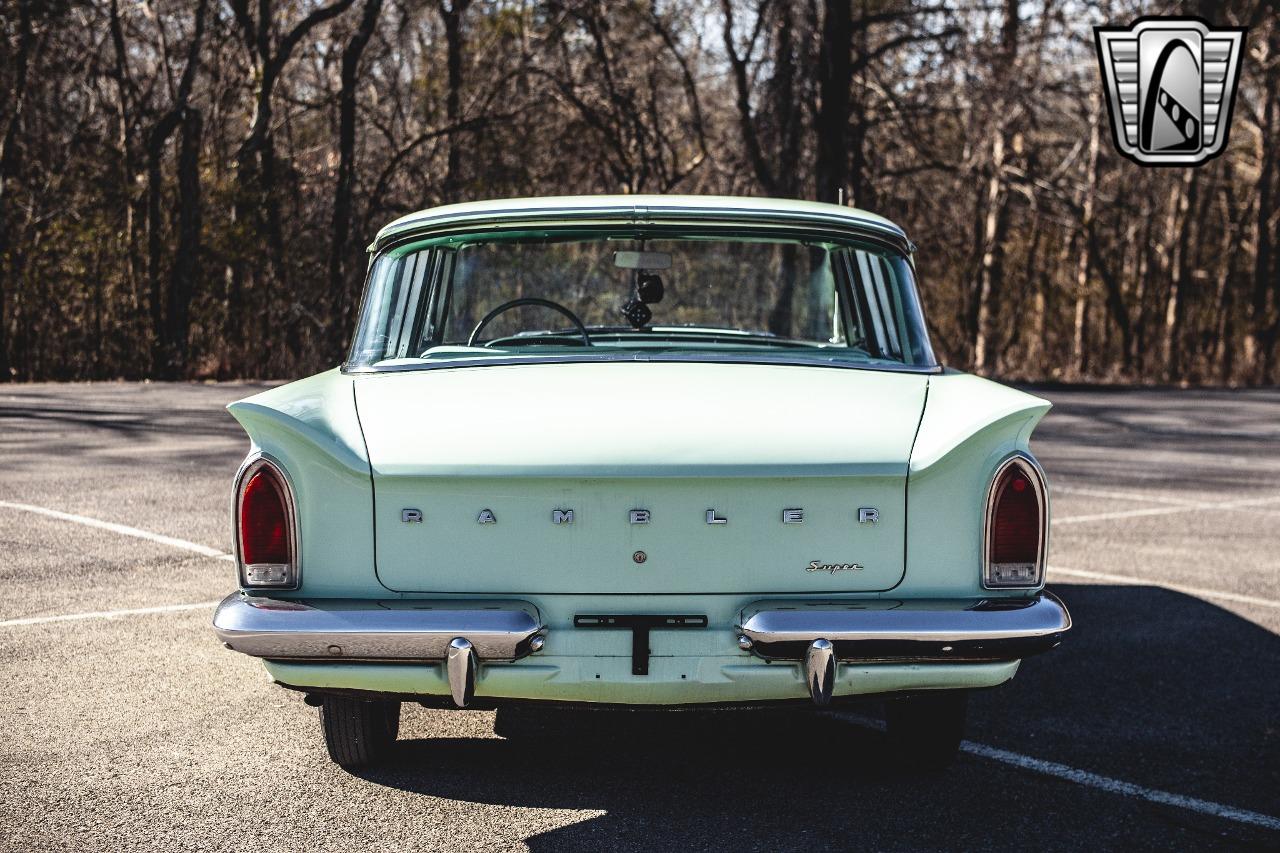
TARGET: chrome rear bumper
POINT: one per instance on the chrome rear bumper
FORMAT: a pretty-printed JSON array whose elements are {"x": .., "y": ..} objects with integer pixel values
[
  {"x": 822, "y": 633},
  {"x": 819, "y": 635},
  {"x": 461, "y": 633}
]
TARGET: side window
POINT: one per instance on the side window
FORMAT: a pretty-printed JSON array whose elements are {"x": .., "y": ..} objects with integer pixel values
[
  {"x": 397, "y": 290},
  {"x": 877, "y": 296},
  {"x": 439, "y": 288},
  {"x": 821, "y": 306},
  {"x": 408, "y": 298},
  {"x": 849, "y": 308}
]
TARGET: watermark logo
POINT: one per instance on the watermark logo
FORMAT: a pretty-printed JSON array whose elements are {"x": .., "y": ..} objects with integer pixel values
[{"x": 1170, "y": 85}]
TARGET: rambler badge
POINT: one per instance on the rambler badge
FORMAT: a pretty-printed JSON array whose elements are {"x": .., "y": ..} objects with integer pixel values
[{"x": 1170, "y": 85}]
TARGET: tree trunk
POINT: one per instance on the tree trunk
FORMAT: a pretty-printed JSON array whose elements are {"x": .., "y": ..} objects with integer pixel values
[
  {"x": 246, "y": 210},
  {"x": 1116, "y": 308},
  {"x": 1175, "y": 303},
  {"x": 156, "y": 141},
  {"x": 996, "y": 222},
  {"x": 10, "y": 163},
  {"x": 185, "y": 272},
  {"x": 1260, "y": 342},
  {"x": 863, "y": 191},
  {"x": 991, "y": 270},
  {"x": 831, "y": 124},
  {"x": 275, "y": 285},
  {"x": 1086, "y": 223},
  {"x": 256, "y": 174},
  {"x": 339, "y": 241},
  {"x": 452, "y": 14},
  {"x": 1228, "y": 271},
  {"x": 1224, "y": 351},
  {"x": 1145, "y": 264},
  {"x": 124, "y": 139},
  {"x": 783, "y": 91},
  {"x": 1166, "y": 251},
  {"x": 760, "y": 164}
]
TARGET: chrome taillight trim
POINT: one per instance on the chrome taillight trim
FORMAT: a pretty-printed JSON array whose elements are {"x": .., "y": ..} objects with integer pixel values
[
  {"x": 1029, "y": 466},
  {"x": 253, "y": 463}
]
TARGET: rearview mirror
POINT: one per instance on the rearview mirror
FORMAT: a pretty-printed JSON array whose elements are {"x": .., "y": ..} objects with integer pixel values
[{"x": 642, "y": 260}]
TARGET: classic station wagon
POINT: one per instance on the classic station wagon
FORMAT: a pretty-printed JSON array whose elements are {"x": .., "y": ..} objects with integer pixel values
[{"x": 640, "y": 451}]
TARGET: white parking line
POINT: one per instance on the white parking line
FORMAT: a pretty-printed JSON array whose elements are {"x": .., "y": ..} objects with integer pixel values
[
  {"x": 1093, "y": 780},
  {"x": 1167, "y": 510},
  {"x": 1197, "y": 591},
  {"x": 124, "y": 530},
  {"x": 1116, "y": 786},
  {"x": 107, "y": 614}
]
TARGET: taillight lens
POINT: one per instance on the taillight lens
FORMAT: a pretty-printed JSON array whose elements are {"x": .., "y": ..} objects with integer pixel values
[
  {"x": 1015, "y": 527},
  {"x": 264, "y": 525}
]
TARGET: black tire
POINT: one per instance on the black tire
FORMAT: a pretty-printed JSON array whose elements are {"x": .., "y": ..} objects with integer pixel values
[
  {"x": 359, "y": 733},
  {"x": 925, "y": 729}
]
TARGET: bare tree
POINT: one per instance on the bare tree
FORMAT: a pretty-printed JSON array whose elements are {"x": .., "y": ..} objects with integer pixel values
[
  {"x": 1005, "y": 122},
  {"x": 257, "y": 202},
  {"x": 1264, "y": 303},
  {"x": 452, "y": 13},
  {"x": 143, "y": 146},
  {"x": 340, "y": 236},
  {"x": 168, "y": 353},
  {"x": 10, "y": 163}
]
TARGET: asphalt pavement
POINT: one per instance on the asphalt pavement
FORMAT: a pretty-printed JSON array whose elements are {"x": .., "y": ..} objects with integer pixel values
[{"x": 1155, "y": 726}]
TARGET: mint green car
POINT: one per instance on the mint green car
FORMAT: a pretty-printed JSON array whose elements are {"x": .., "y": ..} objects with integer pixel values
[{"x": 640, "y": 451}]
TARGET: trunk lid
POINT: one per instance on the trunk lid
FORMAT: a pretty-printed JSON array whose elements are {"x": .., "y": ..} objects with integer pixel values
[{"x": 487, "y": 455}]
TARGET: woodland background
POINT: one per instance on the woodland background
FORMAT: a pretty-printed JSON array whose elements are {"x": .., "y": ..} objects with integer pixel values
[{"x": 186, "y": 186}]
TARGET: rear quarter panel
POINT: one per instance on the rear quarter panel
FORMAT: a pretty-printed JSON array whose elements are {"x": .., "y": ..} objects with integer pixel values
[
  {"x": 969, "y": 426},
  {"x": 311, "y": 428}
]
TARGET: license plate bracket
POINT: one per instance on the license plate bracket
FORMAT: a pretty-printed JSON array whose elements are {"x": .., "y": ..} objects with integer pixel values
[{"x": 639, "y": 625}]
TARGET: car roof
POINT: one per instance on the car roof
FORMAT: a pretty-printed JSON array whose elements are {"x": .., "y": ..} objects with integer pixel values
[{"x": 639, "y": 208}]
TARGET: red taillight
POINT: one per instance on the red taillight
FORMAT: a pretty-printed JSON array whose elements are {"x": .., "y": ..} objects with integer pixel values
[
  {"x": 264, "y": 521},
  {"x": 264, "y": 527},
  {"x": 1015, "y": 527}
]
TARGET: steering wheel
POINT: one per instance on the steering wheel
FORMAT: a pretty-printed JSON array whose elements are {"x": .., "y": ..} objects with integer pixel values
[{"x": 529, "y": 300}]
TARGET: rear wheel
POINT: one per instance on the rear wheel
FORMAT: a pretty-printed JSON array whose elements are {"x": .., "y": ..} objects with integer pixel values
[
  {"x": 359, "y": 733},
  {"x": 925, "y": 729}
]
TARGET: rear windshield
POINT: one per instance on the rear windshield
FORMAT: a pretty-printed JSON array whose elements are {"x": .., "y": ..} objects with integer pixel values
[{"x": 615, "y": 293}]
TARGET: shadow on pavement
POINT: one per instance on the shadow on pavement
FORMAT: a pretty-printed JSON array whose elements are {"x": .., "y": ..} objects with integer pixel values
[{"x": 1152, "y": 687}]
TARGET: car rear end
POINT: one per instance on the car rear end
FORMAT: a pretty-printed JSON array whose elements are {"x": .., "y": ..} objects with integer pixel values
[
  {"x": 648, "y": 528},
  {"x": 647, "y": 579}
]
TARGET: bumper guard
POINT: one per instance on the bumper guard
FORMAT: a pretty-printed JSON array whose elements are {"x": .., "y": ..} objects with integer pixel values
[
  {"x": 821, "y": 634},
  {"x": 463, "y": 634}
]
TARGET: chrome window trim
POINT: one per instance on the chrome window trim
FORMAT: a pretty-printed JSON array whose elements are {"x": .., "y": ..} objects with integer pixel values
[
  {"x": 1035, "y": 474},
  {"x": 517, "y": 218},
  {"x": 632, "y": 356},
  {"x": 253, "y": 463},
  {"x": 853, "y": 232}
]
